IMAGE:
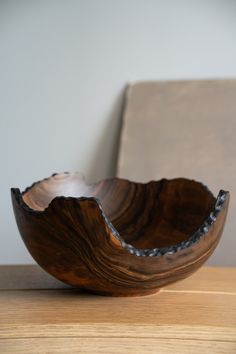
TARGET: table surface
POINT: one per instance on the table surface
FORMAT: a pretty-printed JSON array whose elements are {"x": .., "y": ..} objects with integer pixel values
[{"x": 39, "y": 314}]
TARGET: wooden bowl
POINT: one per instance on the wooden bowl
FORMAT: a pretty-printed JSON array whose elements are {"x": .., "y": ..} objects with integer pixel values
[{"x": 117, "y": 237}]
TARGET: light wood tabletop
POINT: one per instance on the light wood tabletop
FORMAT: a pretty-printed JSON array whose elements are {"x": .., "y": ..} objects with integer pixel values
[{"x": 39, "y": 314}]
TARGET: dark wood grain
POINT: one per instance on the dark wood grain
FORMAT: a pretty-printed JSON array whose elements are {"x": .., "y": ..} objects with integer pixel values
[{"x": 118, "y": 237}]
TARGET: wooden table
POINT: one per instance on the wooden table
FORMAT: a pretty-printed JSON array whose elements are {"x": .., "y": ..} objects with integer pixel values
[{"x": 41, "y": 315}]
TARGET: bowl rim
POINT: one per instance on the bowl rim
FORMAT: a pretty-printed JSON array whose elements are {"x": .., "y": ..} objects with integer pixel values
[{"x": 190, "y": 240}]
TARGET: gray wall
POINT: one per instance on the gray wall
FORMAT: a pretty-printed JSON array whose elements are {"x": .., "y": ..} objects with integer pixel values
[{"x": 63, "y": 69}]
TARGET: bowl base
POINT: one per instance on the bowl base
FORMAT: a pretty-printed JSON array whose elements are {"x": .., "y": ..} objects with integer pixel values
[{"x": 122, "y": 294}]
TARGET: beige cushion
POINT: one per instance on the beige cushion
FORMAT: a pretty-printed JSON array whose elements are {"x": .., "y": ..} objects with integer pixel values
[{"x": 184, "y": 129}]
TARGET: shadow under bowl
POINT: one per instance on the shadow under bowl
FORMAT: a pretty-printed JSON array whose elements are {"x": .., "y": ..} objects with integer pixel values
[{"x": 117, "y": 237}]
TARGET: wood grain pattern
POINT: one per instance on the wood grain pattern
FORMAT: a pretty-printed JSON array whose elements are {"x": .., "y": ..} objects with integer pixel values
[
  {"x": 198, "y": 313},
  {"x": 116, "y": 345},
  {"x": 118, "y": 237},
  {"x": 32, "y": 277}
]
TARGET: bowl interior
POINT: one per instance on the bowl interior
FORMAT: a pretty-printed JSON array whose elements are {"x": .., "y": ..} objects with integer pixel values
[{"x": 156, "y": 214}]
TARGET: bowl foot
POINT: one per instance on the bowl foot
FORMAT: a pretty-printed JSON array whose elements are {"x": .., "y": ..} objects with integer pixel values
[{"x": 132, "y": 293}]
